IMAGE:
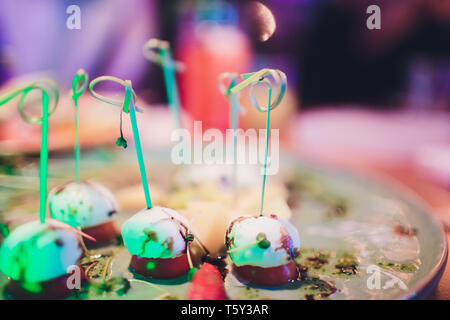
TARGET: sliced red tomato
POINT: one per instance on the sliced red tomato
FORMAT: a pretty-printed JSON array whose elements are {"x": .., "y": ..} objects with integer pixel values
[
  {"x": 102, "y": 233},
  {"x": 267, "y": 277},
  {"x": 160, "y": 268},
  {"x": 207, "y": 284}
]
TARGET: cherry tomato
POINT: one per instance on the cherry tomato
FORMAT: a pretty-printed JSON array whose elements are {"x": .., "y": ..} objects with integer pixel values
[
  {"x": 103, "y": 233},
  {"x": 52, "y": 289},
  {"x": 160, "y": 268},
  {"x": 267, "y": 277}
]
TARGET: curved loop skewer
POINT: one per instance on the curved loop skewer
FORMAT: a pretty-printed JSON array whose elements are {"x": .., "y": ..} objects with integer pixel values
[
  {"x": 226, "y": 90},
  {"x": 46, "y": 86},
  {"x": 128, "y": 107},
  {"x": 114, "y": 102},
  {"x": 48, "y": 89},
  {"x": 235, "y": 108},
  {"x": 232, "y": 77},
  {"x": 79, "y": 83},
  {"x": 158, "y": 51},
  {"x": 154, "y": 50},
  {"x": 262, "y": 77}
]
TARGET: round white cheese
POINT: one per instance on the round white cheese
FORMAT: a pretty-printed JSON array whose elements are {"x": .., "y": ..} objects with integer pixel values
[
  {"x": 245, "y": 232},
  {"x": 84, "y": 204},
  {"x": 35, "y": 252},
  {"x": 156, "y": 233}
]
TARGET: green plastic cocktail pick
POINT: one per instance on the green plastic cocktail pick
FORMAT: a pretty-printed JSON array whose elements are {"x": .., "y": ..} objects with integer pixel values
[
  {"x": 79, "y": 86},
  {"x": 262, "y": 77},
  {"x": 49, "y": 91},
  {"x": 158, "y": 51},
  {"x": 234, "y": 109},
  {"x": 127, "y": 106}
]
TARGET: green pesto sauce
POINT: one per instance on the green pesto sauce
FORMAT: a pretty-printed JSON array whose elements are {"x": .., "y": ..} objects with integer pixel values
[
  {"x": 311, "y": 288},
  {"x": 405, "y": 267},
  {"x": 343, "y": 264}
]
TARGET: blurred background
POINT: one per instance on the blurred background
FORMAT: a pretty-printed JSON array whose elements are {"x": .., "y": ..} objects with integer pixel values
[
  {"x": 328, "y": 53},
  {"x": 375, "y": 101}
]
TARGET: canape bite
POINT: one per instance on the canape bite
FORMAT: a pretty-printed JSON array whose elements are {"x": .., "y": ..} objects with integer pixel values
[
  {"x": 158, "y": 240},
  {"x": 263, "y": 249},
  {"x": 38, "y": 258},
  {"x": 87, "y": 205}
]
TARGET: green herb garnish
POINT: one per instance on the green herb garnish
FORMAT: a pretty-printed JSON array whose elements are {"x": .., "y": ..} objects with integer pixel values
[
  {"x": 189, "y": 237},
  {"x": 121, "y": 142}
]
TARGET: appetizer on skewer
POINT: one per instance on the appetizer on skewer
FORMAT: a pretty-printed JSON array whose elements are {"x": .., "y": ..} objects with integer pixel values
[
  {"x": 158, "y": 239},
  {"x": 38, "y": 258},
  {"x": 87, "y": 205},
  {"x": 263, "y": 249}
]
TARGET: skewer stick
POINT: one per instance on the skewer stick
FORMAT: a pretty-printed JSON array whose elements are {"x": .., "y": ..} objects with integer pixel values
[
  {"x": 49, "y": 91},
  {"x": 158, "y": 51},
  {"x": 79, "y": 86},
  {"x": 234, "y": 121},
  {"x": 280, "y": 82},
  {"x": 128, "y": 106}
]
